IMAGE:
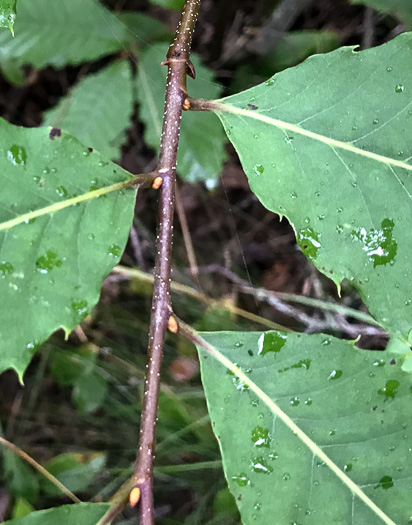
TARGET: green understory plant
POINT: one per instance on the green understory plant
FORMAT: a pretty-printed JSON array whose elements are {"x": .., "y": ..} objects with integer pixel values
[{"x": 302, "y": 420}]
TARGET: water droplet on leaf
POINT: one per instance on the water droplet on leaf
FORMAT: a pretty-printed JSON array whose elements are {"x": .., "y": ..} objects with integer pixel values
[
  {"x": 335, "y": 374},
  {"x": 271, "y": 342},
  {"x": 379, "y": 245},
  {"x": 242, "y": 480},
  {"x": 17, "y": 155},
  {"x": 390, "y": 389},
  {"x": 6, "y": 268},
  {"x": 61, "y": 191},
  {"x": 115, "y": 250},
  {"x": 386, "y": 482},
  {"x": 261, "y": 466},
  {"x": 79, "y": 307},
  {"x": 308, "y": 241},
  {"x": 47, "y": 262},
  {"x": 260, "y": 437},
  {"x": 258, "y": 169}
]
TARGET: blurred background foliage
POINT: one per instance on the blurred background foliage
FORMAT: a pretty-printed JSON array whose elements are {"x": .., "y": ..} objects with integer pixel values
[{"x": 94, "y": 69}]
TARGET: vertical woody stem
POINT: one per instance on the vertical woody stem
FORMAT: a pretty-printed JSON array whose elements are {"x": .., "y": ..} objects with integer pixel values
[{"x": 179, "y": 66}]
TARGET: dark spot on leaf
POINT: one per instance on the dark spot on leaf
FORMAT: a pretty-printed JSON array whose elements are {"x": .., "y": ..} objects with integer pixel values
[
  {"x": 392, "y": 362},
  {"x": 114, "y": 171},
  {"x": 239, "y": 498},
  {"x": 250, "y": 352},
  {"x": 55, "y": 132},
  {"x": 375, "y": 407},
  {"x": 252, "y": 106},
  {"x": 205, "y": 357},
  {"x": 90, "y": 149}
]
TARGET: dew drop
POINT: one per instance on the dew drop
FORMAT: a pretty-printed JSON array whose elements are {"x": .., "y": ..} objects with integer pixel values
[
  {"x": 379, "y": 245},
  {"x": 115, "y": 250},
  {"x": 376, "y": 121},
  {"x": 389, "y": 69},
  {"x": 258, "y": 169},
  {"x": 47, "y": 262},
  {"x": 390, "y": 389},
  {"x": 289, "y": 139},
  {"x": 293, "y": 195},
  {"x": 61, "y": 191},
  {"x": 399, "y": 88},
  {"x": 79, "y": 307},
  {"x": 271, "y": 342},
  {"x": 386, "y": 482},
  {"x": 308, "y": 241},
  {"x": 242, "y": 480},
  {"x": 261, "y": 466},
  {"x": 260, "y": 437},
  {"x": 335, "y": 374},
  {"x": 17, "y": 155},
  {"x": 6, "y": 268}
]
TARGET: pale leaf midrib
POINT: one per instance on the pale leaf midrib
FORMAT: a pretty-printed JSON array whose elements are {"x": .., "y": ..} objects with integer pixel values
[
  {"x": 306, "y": 440},
  {"x": 58, "y": 206},
  {"x": 347, "y": 146}
]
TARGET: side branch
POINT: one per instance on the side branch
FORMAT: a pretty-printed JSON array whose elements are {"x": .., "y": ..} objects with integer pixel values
[{"x": 179, "y": 66}]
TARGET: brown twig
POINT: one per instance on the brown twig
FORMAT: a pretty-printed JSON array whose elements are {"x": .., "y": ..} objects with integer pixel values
[
  {"x": 122, "y": 272},
  {"x": 17, "y": 450},
  {"x": 179, "y": 66}
]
